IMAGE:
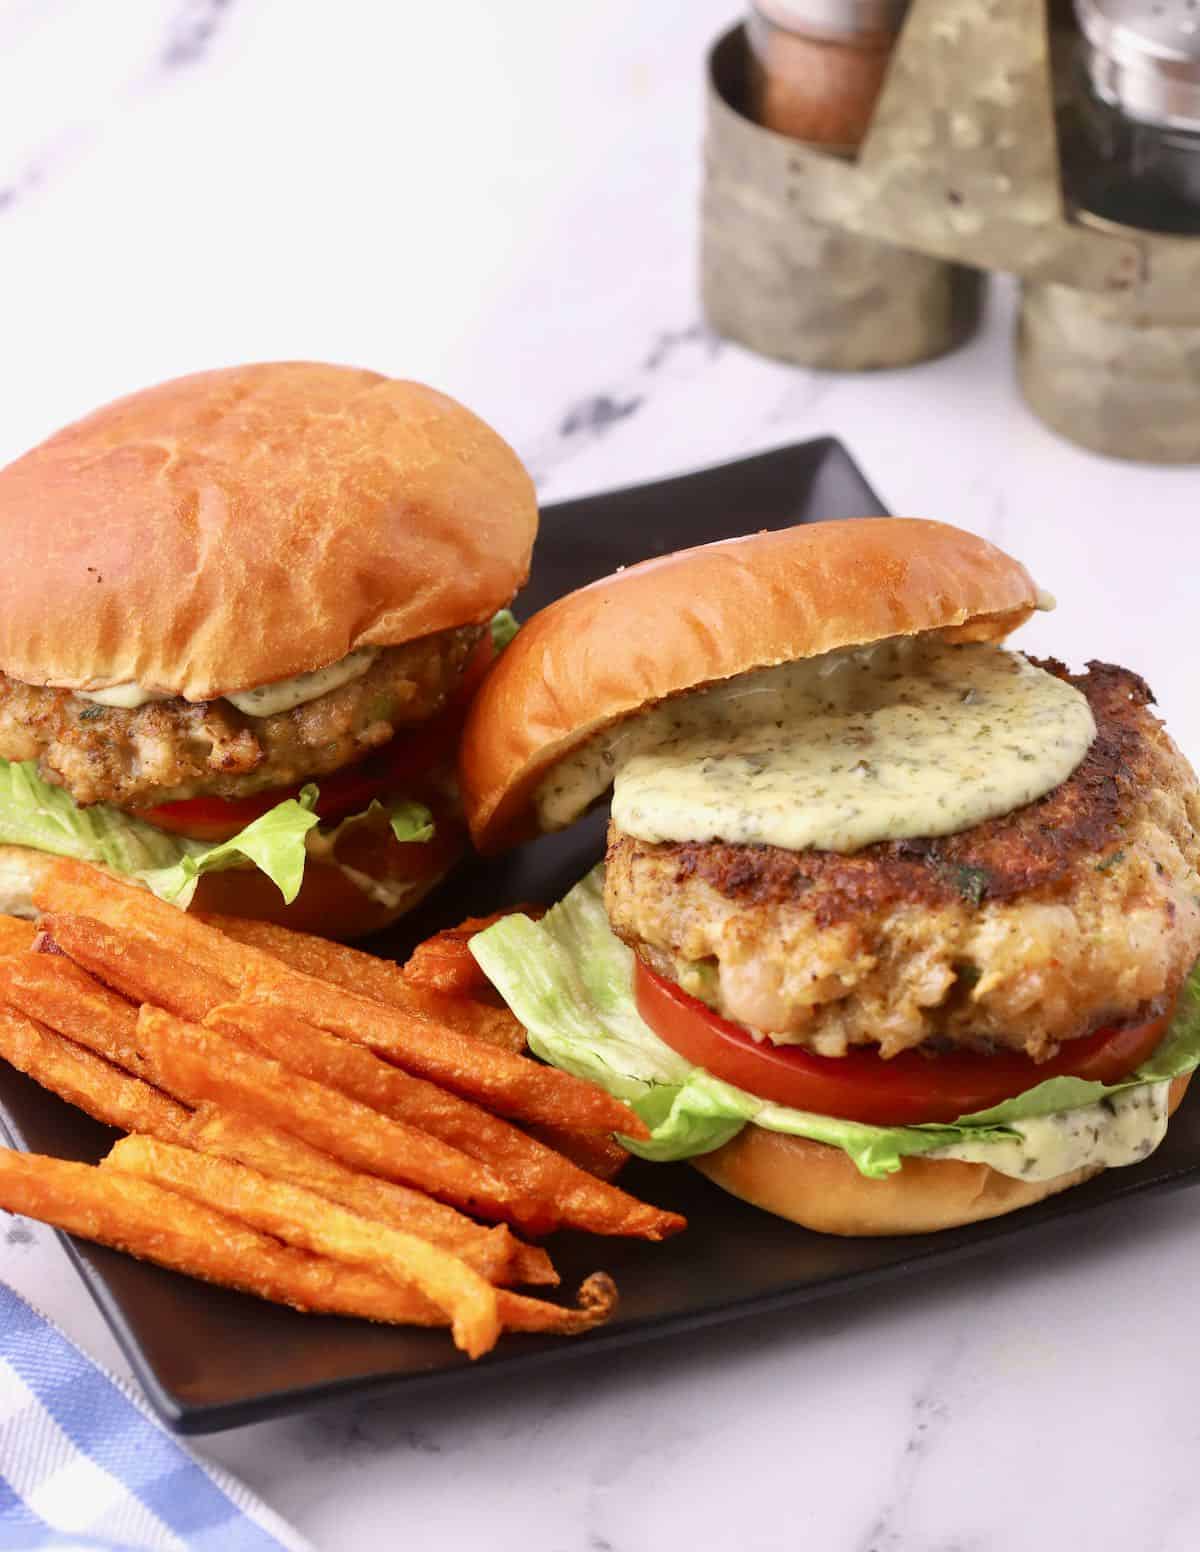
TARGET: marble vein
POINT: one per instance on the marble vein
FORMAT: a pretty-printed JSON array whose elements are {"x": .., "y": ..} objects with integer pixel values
[
  {"x": 680, "y": 354},
  {"x": 137, "y": 68},
  {"x": 191, "y": 31},
  {"x": 931, "y": 1416}
]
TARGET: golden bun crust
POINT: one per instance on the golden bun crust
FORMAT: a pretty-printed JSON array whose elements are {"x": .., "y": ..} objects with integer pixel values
[
  {"x": 707, "y": 614},
  {"x": 819, "y": 1187},
  {"x": 235, "y": 527}
]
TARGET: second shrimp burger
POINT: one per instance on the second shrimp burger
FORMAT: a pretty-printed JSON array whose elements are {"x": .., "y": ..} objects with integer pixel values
[{"x": 896, "y": 924}]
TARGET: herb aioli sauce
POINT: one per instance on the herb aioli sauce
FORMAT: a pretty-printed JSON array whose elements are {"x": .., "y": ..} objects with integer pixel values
[
  {"x": 1122, "y": 1129},
  {"x": 263, "y": 701},
  {"x": 909, "y": 737}
]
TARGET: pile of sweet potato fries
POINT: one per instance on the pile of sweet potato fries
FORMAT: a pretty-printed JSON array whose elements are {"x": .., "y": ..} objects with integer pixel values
[{"x": 306, "y": 1122}]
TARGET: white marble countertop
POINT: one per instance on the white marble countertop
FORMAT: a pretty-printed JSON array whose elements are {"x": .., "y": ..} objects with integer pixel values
[{"x": 501, "y": 200}]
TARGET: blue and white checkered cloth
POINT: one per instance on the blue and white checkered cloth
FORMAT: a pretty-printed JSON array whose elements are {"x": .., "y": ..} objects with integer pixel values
[{"x": 83, "y": 1463}]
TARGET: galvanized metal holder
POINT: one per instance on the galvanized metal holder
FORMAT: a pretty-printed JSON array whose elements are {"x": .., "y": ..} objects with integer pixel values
[
  {"x": 783, "y": 274},
  {"x": 849, "y": 264}
]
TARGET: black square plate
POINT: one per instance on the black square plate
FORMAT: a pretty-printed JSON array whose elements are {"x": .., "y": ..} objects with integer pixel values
[{"x": 209, "y": 1359}]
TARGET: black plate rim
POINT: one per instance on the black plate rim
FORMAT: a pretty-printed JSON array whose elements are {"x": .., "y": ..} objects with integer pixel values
[
  {"x": 827, "y": 442},
  {"x": 194, "y": 1419}
]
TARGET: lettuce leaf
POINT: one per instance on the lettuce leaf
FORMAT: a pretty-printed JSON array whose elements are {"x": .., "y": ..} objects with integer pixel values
[
  {"x": 276, "y": 843},
  {"x": 46, "y": 818},
  {"x": 503, "y": 626},
  {"x": 569, "y": 980},
  {"x": 410, "y": 822}
]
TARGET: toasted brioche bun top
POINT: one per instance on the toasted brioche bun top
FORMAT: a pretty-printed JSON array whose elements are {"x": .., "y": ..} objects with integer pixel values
[
  {"x": 236, "y": 527},
  {"x": 703, "y": 615}
]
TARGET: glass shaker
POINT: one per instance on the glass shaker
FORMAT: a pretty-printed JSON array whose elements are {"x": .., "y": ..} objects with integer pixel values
[
  {"x": 817, "y": 66},
  {"x": 1136, "y": 154}
]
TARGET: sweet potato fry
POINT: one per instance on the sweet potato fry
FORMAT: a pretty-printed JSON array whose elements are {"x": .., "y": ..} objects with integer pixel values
[
  {"x": 529, "y": 1267},
  {"x": 16, "y": 935},
  {"x": 568, "y": 1197},
  {"x": 310, "y": 1139},
  {"x": 139, "y": 967},
  {"x": 201, "y": 956},
  {"x": 160, "y": 1226},
  {"x": 312, "y": 1223},
  {"x": 363, "y": 1077},
  {"x": 144, "y": 1220},
  {"x": 59, "y": 993},
  {"x": 513, "y": 1086},
  {"x": 444, "y": 962},
  {"x": 597, "y": 1301},
  {"x": 601, "y": 1156},
  {"x": 87, "y": 1081},
  {"x": 145, "y": 937},
  {"x": 380, "y": 979},
  {"x": 205, "y": 1066},
  {"x": 544, "y": 1191},
  {"x": 494, "y": 1252},
  {"x": 493, "y": 1024}
]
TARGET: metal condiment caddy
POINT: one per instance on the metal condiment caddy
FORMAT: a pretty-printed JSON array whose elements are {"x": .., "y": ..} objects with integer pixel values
[{"x": 1002, "y": 138}]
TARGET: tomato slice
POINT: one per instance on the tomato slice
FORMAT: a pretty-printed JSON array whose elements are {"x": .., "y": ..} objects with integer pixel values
[
  {"x": 397, "y": 769},
  {"x": 213, "y": 819},
  {"x": 861, "y": 1086}
]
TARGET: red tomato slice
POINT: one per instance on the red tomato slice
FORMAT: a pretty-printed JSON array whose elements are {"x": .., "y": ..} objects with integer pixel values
[
  {"x": 212, "y": 819},
  {"x": 395, "y": 770},
  {"x": 861, "y": 1086}
]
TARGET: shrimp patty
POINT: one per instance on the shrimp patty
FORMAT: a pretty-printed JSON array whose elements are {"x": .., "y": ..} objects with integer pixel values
[
  {"x": 1079, "y": 910},
  {"x": 168, "y": 750}
]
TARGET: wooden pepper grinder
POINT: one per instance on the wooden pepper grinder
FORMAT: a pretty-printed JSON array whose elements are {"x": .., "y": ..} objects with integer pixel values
[{"x": 817, "y": 66}]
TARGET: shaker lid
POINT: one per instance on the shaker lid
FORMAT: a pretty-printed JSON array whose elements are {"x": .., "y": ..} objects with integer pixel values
[
  {"x": 836, "y": 20},
  {"x": 1145, "y": 58}
]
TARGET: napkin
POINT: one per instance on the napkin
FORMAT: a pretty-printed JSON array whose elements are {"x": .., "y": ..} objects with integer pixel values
[{"x": 84, "y": 1464}]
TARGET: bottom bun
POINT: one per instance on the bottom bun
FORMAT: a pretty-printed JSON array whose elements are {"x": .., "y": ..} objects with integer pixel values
[
  {"x": 397, "y": 874},
  {"x": 820, "y": 1187},
  {"x": 330, "y": 904}
]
